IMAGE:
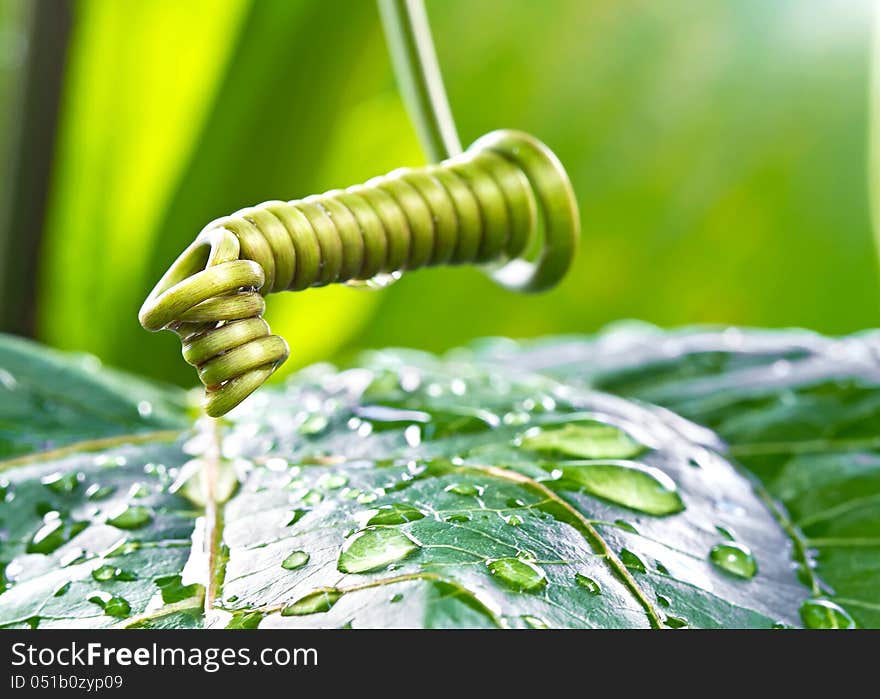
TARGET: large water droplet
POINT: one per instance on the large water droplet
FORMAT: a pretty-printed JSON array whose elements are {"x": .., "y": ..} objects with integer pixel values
[
  {"x": 374, "y": 549},
  {"x": 633, "y": 485},
  {"x": 313, "y": 603},
  {"x": 825, "y": 614},
  {"x": 584, "y": 440},
  {"x": 295, "y": 560},
  {"x": 133, "y": 517},
  {"x": 518, "y": 575},
  {"x": 735, "y": 559},
  {"x": 398, "y": 513},
  {"x": 112, "y": 605},
  {"x": 106, "y": 573},
  {"x": 588, "y": 584}
]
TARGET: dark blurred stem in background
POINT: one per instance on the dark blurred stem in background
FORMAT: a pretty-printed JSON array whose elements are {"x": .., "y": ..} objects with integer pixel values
[{"x": 35, "y": 119}]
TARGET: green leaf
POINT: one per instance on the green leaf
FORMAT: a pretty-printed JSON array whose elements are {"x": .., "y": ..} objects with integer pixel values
[
  {"x": 799, "y": 411},
  {"x": 409, "y": 492}
]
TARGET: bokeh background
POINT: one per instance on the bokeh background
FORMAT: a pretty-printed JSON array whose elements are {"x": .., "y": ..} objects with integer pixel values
[{"x": 719, "y": 151}]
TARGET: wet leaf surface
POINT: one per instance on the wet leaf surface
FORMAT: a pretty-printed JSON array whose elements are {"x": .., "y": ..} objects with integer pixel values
[{"x": 493, "y": 488}]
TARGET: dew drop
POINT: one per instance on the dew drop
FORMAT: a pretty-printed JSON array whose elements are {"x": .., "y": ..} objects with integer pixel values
[
  {"x": 106, "y": 573},
  {"x": 295, "y": 516},
  {"x": 588, "y": 584},
  {"x": 513, "y": 520},
  {"x": 63, "y": 483},
  {"x": 632, "y": 561},
  {"x": 633, "y": 485},
  {"x": 63, "y": 590},
  {"x": 332, "y": 481},
  {"x": 396, "y": 597},
  {"x": 675, "y": 622},
  {"x": 735, "y": 559},
  {"x": 398, "y": 513},
  {"x": 367, "y": 498},
  {"x": 313, "y": 425},
  {"x": 132, "y": 517},
  {"x": 518, "y": 575},
  {"x": 295, "y": 560},
  {"x": 99, "y": 492},
  {"x": 313, "y": 603},
  {"x": 458, "y": 518},
  {"x": 467, "y": 489},
  {"x": 374, "y": 549},
  {"x": 145, "y": 408},
  {"x": 585, "y": 440},
  {"x": 112, "y": 605},
  {"x": 825, "y": 614}
]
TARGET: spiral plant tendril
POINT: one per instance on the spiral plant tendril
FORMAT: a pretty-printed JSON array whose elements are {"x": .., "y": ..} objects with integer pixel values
[{"x": 506, "y": 201}]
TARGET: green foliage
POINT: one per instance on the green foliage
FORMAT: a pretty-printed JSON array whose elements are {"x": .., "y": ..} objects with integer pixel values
[
  {"x": 718, "y": 151},
  {"x": 492, "y": 488}
]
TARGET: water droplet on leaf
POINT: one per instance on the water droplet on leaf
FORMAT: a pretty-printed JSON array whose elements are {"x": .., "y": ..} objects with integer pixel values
[
  {"x": 825, "y": 614},
  {"x": 642, "y": 488},
  {"x": 398, "y": 513},
  {"x": 374, "y": 549},
  {"x": 313, "y": 603},
  {"x": 735, "y": 559},
  {"x": 295, "y": 560},
  {"x": 518, "y": 575},
  {"x": 588, "y": 584}
]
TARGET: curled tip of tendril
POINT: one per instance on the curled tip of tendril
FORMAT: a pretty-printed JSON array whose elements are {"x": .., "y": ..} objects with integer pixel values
[{"x": 506, "y": 202}]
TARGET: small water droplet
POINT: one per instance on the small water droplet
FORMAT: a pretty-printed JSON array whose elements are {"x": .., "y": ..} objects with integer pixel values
[
  {"x": 132, "y": 517},
  {"x": 332, "y": 481},
  {"x": 735, "y": 559},
  {"x": 675, "y": 622},
  {"x": 825, "y": 614},
  {"x": 626, "y": 526},
  {"x": 633, "y": 485},
  {"x": 145, "y": 408},
  {"x": 513, "y": 520},
  {"x": 458, "y": 518},
  {"x": 374, "y": 549},
  {"x": 112, "y": 605},
  {"x": 313, "y": 425},
  {"x": 99, "y": 492},
  {"x": 396, "y": 597},
  {"x": 63, "y": 590},
  {"x": 63, "y": 483},
  {"x": 663, "y": 601},
  {"x": 584, "y": 440},
  {"x": 398, "y": 513},
  {"x": 726, "y": 533},
  {"x": 467, "y": 489},
  {"x": 518, "y": 575},
  {"x": 106, "y": 573},
  {"x": 313, "y": 603},
  {"x": 367, "y": 498},
  {"x": 588, "y": 584},
  {"x": 295, "y": 560},
  {"x": 632, "y": 561},
  {"x": 312, "y": 497}
]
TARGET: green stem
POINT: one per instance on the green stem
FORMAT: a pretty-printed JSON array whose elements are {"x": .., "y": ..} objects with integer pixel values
[{"x": 417, "y": 70}]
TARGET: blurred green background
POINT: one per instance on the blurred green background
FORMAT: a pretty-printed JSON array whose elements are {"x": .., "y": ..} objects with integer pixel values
[{"x": 719, "y": 151}]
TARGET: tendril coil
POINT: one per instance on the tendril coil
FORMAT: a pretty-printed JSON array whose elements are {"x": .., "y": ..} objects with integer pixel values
[{"x": 506, "y": 201}]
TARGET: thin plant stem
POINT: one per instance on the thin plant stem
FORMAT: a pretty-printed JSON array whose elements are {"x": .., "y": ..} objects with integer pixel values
[{"x": 415, "y": 64}]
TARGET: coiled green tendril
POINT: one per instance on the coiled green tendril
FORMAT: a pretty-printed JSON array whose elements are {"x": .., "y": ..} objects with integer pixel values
[{"x": 506, "y": 196}]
